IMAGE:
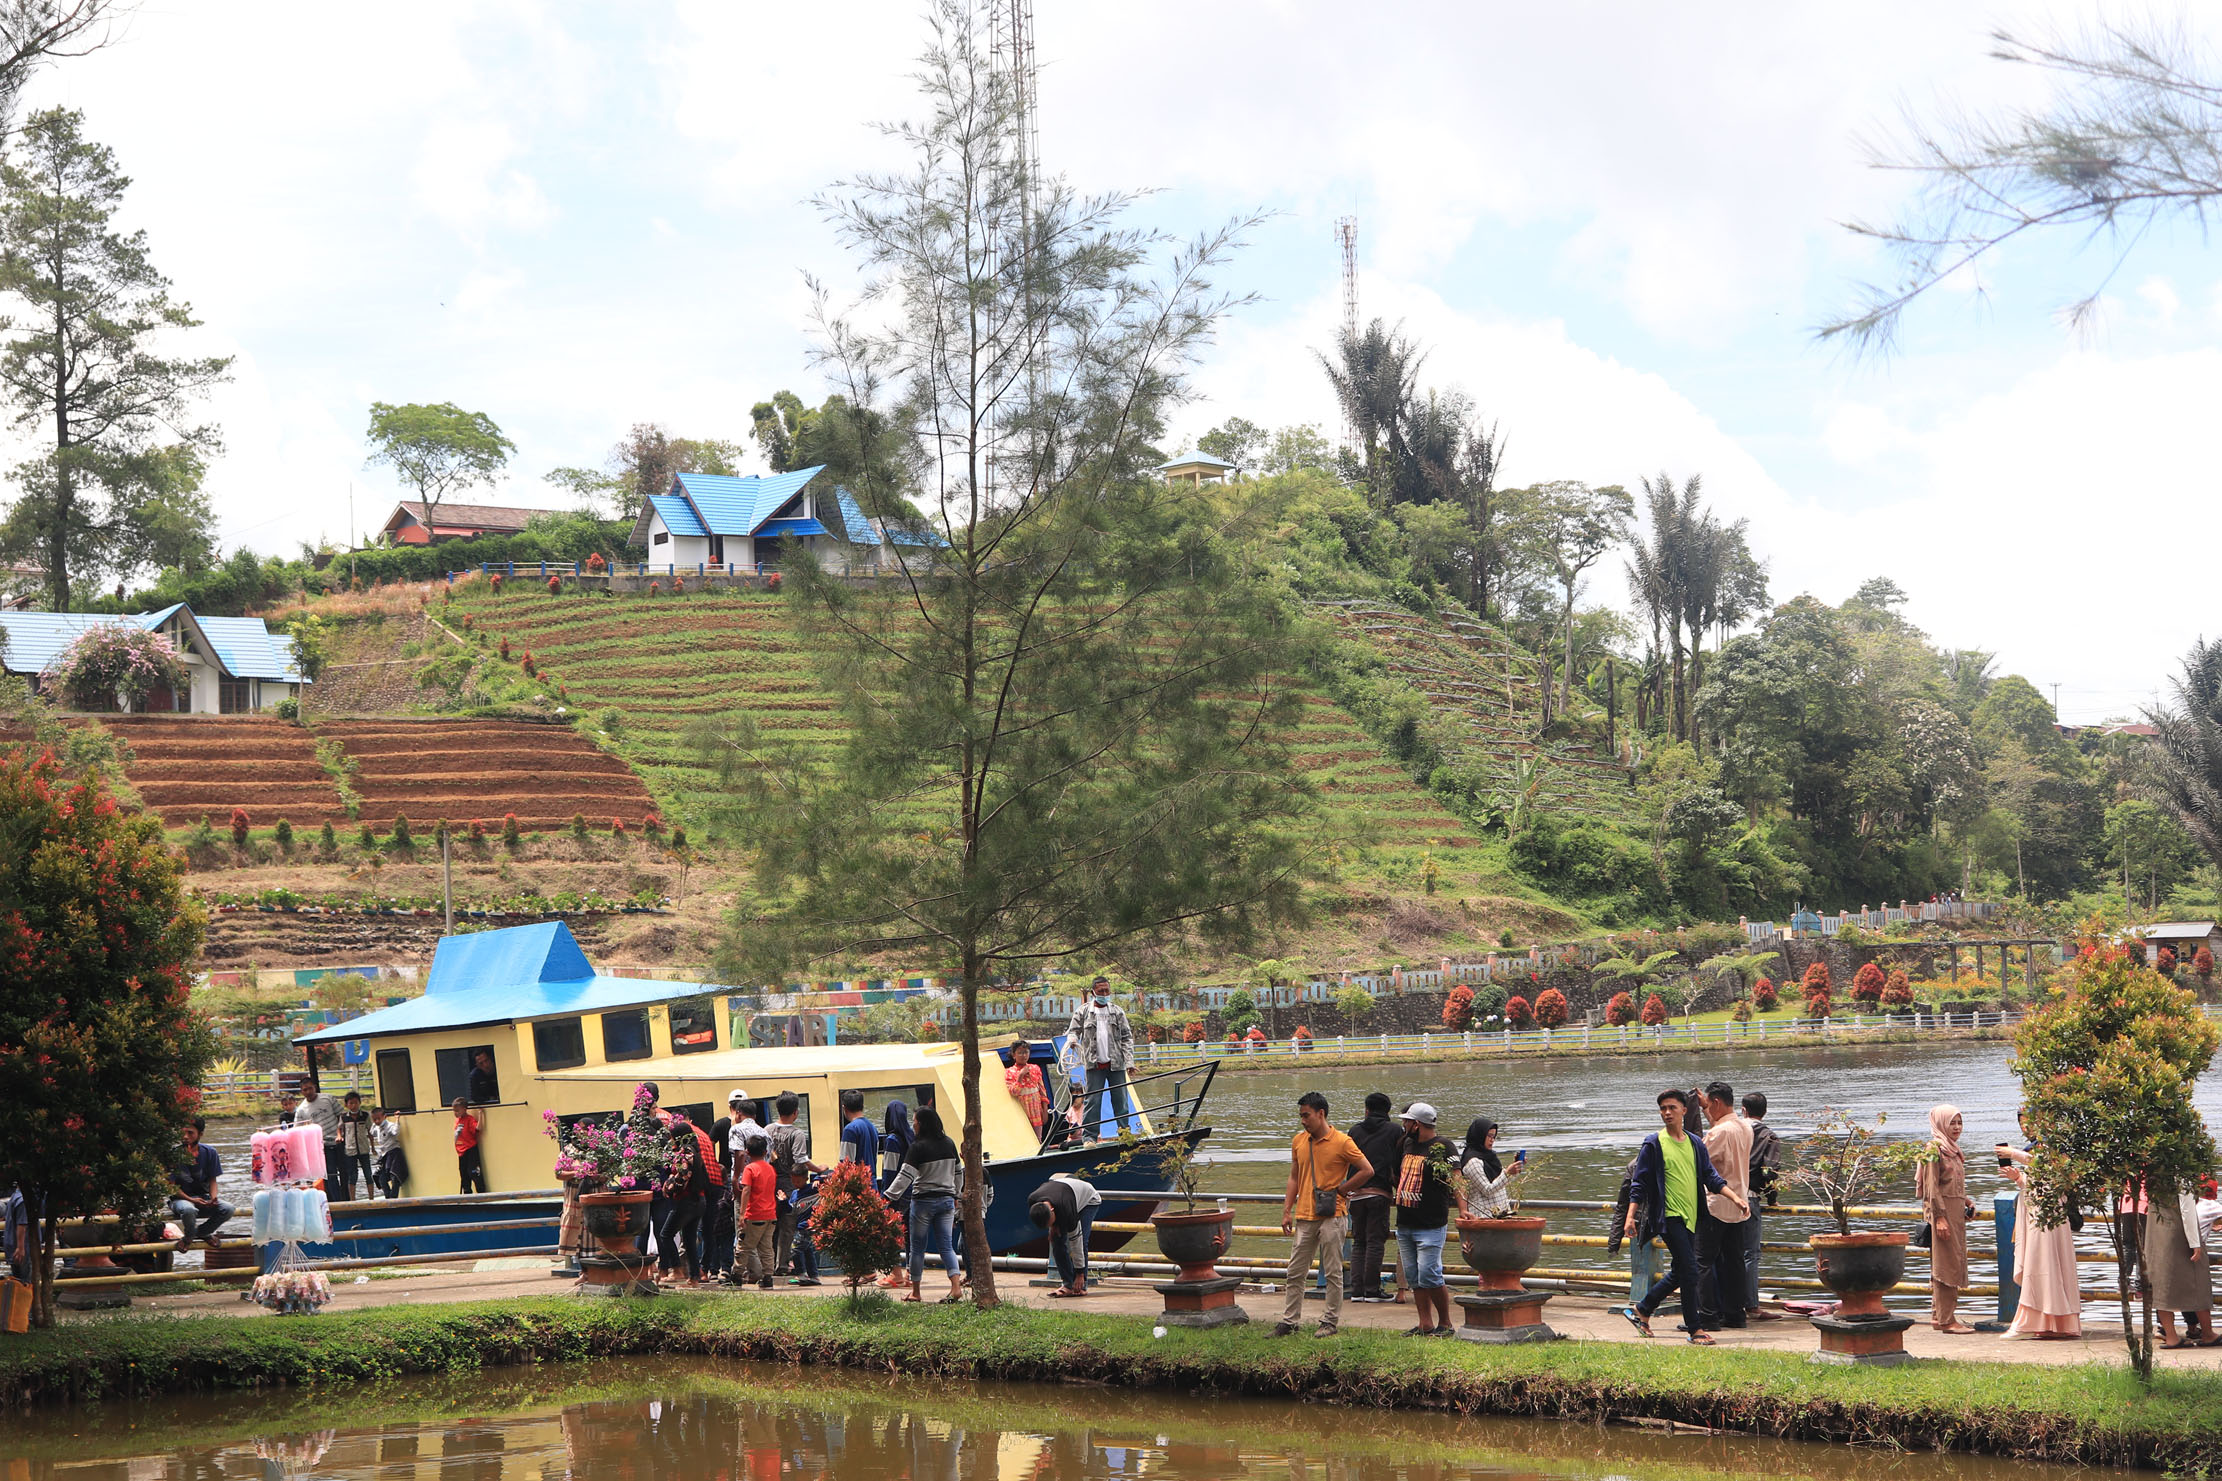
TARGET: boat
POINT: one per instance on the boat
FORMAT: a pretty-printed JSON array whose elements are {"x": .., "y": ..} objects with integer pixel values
[{"x": 518, "y": 1024}]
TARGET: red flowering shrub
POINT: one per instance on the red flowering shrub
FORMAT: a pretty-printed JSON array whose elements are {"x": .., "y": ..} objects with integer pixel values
[
  {"x": 1192, "y": 1034},
  {"x": 1898, "y": 991},
  {"x": 2166, "y": 961},
  {"x": 678, "y": 583},
  {"x": 655, "y": 588},
  {"x": 1817, "y": 1004},
  {"x": 1519, "y": 1012},
  {"x": 617, "y": 827},
  {"x": 497, "y": 583},
  {"x": 511, "y": 835},
  {"x": 853, "y": 1226},
  {"x": 555, "y": 584},
  {"x": 529, "y": 666},
  {"x": 1550, "y": 1007},
  {"x": 478, "y": 830},
  {"x": 1458, "y": 1008},
  {"x": 503, "y": 649},
  {"x": 2202, "y": 962},
  {"x": 652, "y": 825},
  {"x": 595, "y": 565},
  {"x": 466, "y": 622},
  {"x": 1763, "y": 995},
  {"x": 1817, "y": 978},
  {"x": 1621, "y": 1011},
  {"x": 1867, "y": 983},
  {"x": 772, "y": 581},
  {"x": 1654, "y": 1009},
  {"x": 239, "y": 827}
]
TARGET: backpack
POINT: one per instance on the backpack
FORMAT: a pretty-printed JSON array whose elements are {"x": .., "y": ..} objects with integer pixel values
[{"x": 783, "y": 1158}]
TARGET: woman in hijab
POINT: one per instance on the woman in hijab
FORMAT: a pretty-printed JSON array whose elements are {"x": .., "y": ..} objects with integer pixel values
[
  {"x": 1485, "y": 1189},
  {"x": 2051, "y": 1306},
  {"x": 1940, "y": 1179},
  {"x": 896, "y": 1137},
  {"x": 2176, "y": 1266}
]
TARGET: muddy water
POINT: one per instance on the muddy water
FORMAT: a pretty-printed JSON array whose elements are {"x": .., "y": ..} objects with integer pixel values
[{"x": 699, "y": 1420}]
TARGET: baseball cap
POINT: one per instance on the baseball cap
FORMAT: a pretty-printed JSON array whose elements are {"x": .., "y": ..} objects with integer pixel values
[
  {"x": 1419, "y": 1111},
  {"x": 737, "y": 1096}
]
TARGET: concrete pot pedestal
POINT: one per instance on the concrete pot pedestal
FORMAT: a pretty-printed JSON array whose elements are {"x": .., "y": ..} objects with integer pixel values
[
  {"x": 1201, "y": 1303},
  {"x": 615, "y": 1275},
  {"x": 1199, "y": 1296},
  {"x": 1859, "y": 1269},
  {"x": 1498, "y": 1251}
]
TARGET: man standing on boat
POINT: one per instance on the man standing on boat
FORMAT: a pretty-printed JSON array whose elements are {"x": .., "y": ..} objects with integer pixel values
[{"x": 1100, "y": 1038}]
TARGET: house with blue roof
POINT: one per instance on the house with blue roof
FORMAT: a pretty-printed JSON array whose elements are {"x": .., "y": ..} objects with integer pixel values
[
  {"x": 233, "y": 665},
  {"x": 709, "y": 522}
]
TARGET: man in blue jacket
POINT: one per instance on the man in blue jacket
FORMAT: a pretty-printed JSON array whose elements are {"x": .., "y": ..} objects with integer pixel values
[{"x": 1671, "y": 1170}]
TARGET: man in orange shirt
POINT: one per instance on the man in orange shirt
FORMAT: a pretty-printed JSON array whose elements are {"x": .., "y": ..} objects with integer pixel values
[
  {"x": 1325, "y": 1167},
  {"x": 470, "y": 1164},
  {"x": 758, "y": 1194}
]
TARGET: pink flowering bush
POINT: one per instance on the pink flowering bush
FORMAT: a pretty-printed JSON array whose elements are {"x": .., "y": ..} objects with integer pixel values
[
  {"x": 114, "y": 662},
  {"x": 636, "y": 1155}
]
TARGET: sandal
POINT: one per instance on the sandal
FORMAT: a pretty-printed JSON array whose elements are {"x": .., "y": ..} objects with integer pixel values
[
  {"x": 1066, "y": 1293},
  {"x": 1636, "y": 1319},
  {"x": 954, "y": 1298},
  {"x": 1702, "y": 1339},
  {"x": 913, "y": 1296},
  {"x": 1957, "y": 1329}
]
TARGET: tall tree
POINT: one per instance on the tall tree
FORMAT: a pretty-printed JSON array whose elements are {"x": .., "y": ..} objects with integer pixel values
[
  {"x": 2185, "y": 771},
  {"x": 82, "y": 367},
  {"x": 1062, "y": 723},
  {"x": 643, "y": 463},
  {"x": 1571, "y": 527},
  {"x": 1235, "y": 440},
  {"x": 1376, "y": 375},
  {"x": 35, "y": 32},
  {"x": 860, "y": 447},
  {"x": 2130, "y": 140},
  {"x": 438, "y": 449}
]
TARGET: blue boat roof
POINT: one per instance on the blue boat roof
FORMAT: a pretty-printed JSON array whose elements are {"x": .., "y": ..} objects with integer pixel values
[
  {"x": 248, "y": 647},
  {"x": 497, "y": 976}
]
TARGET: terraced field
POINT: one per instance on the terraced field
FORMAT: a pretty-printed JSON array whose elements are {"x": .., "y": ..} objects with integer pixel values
[
  {"x": 666, "y": 662},
  {"x": 1476, "y": 676},
  {"x": 465, "y": 769},
  {"x": 186, "y": 767}
]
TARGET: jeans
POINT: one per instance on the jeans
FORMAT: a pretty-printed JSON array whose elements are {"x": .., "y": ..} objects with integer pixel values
[
  {"x": 353, "y": 1169},
  {"x": 806, "y": 1253},
  {"x": 718, "y": 1223},
  {"x": 935, "y": 1219},
  {"x": 1720, "y": 1261},
  {"x": 1122, "y": 1099},
  {"x": 1369, "y": 1237},
  {"x": 682, "y": 1223},
  {"x": 1750, "y": 1227},
  {"x": 470, "y": 1170},
  {"x": 1321, "y": 1238},
  {"x": 388, "y": 1176},
  {"x": 1070, "y": 1251},
  {"x": 783, "y": 1235},
  {"x": 1681, "y": 1275},
  {"x": 1422, "y": 1252},
  {"x": 193, "y": 1223}
]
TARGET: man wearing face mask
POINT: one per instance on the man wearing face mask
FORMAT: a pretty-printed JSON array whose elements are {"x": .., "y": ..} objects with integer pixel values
[{"x": 1101, "y": 1040}]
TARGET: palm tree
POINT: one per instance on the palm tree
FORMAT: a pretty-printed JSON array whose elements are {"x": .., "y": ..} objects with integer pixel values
[
  {"x": 1376, "y": 375},
  {"x": 1746, "y": 966},
  {"x": 2183, "y": 771}
]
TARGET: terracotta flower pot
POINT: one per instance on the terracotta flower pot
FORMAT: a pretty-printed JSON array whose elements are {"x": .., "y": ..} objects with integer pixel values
[
  {"x": 1500, "y": 1250},
  {"x": 1860, "y": 1269},
  {"x": 615, "y": 1220},
  {"x": 1194, "y": 1241}
]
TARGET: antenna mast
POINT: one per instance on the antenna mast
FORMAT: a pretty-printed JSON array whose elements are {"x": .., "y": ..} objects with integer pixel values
[{"x": 1346, "y": 232}]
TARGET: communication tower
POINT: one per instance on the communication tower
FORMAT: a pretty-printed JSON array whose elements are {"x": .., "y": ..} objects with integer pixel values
[{"x": 1346, "y": 232}]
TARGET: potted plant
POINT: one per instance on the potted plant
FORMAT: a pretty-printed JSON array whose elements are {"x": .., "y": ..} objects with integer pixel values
[
  {"x": 1845, "y": 1161},
  {"x": 615, "y": 1168},
  {"x": 1499, "y": 1251},
  {"x": 1192, "y": 1239}
]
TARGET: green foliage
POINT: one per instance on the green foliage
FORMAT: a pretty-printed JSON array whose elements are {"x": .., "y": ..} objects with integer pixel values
[
  {"x": 403, "y": 841},
  {"x": 437, "y": 449},
  {"x": 288, "y": 708},
  {"x": 2108, "y": 995},
  {"x": 84, "y": 372},
  {"x": 1355, "y": 1002},
  {"x": 854, "y": 1227},
  {"x": 327, "y": 841},
  {"x": 114, "y": 662},
  {"x": 100, "y": 1058},
  {"x": 1847, "y": 1160}
]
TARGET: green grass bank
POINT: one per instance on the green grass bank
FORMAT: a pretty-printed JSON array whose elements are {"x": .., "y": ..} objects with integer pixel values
[
  {"x": 1604, "y": 1044},
  {"x": 2089, "y": 1415}
]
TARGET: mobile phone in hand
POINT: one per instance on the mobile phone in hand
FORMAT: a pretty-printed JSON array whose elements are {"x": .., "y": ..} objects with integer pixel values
[{"x": 1521, "y": 1155}]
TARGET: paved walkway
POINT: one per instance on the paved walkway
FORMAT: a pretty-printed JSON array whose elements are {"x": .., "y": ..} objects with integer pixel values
[{"x": 1582, "y": 1318}]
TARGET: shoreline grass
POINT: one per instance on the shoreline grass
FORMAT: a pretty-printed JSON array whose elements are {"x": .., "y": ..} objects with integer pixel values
[
  {"x": 1326, "y": 1056},
  {"x": 2087, "y": 1414}
]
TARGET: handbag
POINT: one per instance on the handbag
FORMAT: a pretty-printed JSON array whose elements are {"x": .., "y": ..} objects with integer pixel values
[
  {"x": 1922, "y": 1236},
  {"x": 1323, "y": 1199}
]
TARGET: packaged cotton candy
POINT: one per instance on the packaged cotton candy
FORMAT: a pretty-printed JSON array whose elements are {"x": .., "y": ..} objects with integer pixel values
[
  {"x": 263, "y": 1234},
  {"x": 259, "y": 1150}
]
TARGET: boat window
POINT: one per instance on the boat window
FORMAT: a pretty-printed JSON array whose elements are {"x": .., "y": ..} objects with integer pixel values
[
  {"x": 625, "y": 1035},
  {"x": 699, "y": 1113},
  {"x": 459, "y": 1076},
  {"x": 559, "y": 1043},
  {"x": 397, "y": 1081},
  {"x": 876, "y": 1098},
  {"x": 694, "y": 1026}
]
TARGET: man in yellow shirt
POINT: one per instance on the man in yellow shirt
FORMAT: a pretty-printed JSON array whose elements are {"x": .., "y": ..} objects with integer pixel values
[{"x": 1325, "y": 1166}]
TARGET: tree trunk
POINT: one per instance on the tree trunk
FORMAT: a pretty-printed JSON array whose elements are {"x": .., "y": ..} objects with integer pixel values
[
  {"x": 42, "y": 1277},
  {"x": 1678, "y": 711},
  {"x": 1566, "y": 678},
  {"x": 979, "y": 1263}
]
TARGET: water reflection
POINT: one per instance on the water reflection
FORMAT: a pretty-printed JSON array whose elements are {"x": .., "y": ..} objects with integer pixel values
[{"x": 702, "y": 1421}]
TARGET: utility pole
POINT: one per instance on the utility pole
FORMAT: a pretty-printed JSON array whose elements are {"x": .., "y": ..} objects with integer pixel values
[
  {"x": 2056, "y": 702},
  {"x": 1346, "y": 233}
]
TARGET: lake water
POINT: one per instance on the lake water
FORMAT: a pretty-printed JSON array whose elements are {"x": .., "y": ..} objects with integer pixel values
[{"x": 703, "y": 1420}]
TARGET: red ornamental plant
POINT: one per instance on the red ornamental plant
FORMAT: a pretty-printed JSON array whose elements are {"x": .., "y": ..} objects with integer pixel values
[
  {"x": 2202, "y": 962},
  {"x": 1817, "y": 1005},
  {"x": 1763, "y": 995},
  {"x": 617, "y": 827},
  {"x": 1817, "y": 979},
  {"x": 478, "y": 830},
  {"x": 1519, "y": 1012},
  {"x": 1550, "y": 1007},
  {"x": 655, "y": 588},
  {"x": 1867, "y": 983},
  {"x": 595, "y": 565},
  {"x": 511, "y": 834},
  {"x": 503, "y": 648},
  {"x": 99, "y": 1046},
  {"x": 853, "y": 1226},
  {"x": 678, "y": 584},
  {"x": 555, "y": 584},
  {"x": 2166, "y": 961},
  {"x": 1458, "y": 1007},
  {"x": 466, "y": 622},
  {"x": 239, "y": 827},
  {"x": 1898, "y": 991},
  {"x": 1192, "y": 1034},
  {"x": 497, "y": 583},
  {"x": 652, "y": 825},
  {"x": 1621, "y": 1011},
  {"x": 528, "y": 664},
  {"x": 771, "y": 582},
  {"x": 1654, "y": 1009}
]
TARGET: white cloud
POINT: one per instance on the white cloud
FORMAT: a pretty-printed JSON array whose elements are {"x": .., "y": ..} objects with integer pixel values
[
  {"x": 2161, "y": 297},
  {"x": 464, "y": 176}
]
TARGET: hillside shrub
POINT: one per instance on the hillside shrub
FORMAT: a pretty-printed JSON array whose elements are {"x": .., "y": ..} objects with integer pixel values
[
  {"x": 401, "y": 837},
  {"x": 503, "y": 649},
  {"x": 367, "y": 839},
  {"x": 1621, "y": 1010},
  {"x": 2202, "y": 962},
  {"x": 617, "y": 828},
  {"x": 1458, "y": 1008},
  {"x": 555, "y": 585},
  {"x": 288, "y": 708},
  {"x": 1550, "y": 1008},
  {"x": 1504, "y": 941},
  {"x": 1519, "y": 1012},
  {"x": 527, "y": 664},
  {"x": 1867, "y": 983},
  {"x": 478, "y": 830},
  {"x": 327, "y": 840},
  {"x": 679, "y": 840},
  {"x": 239, "y": 825},
  {"x": 1763, "y": 995},
  {"x": 497, "y": 586},
  {"x": 653, "y": 826},
  {"x": 284, "y": 834},
  {"x": 511, "y": 835},
  {"x": 578, "y": 826},
  {"x": 1654, "y": 1010},
  {"x": 1742, "y": 1011}
]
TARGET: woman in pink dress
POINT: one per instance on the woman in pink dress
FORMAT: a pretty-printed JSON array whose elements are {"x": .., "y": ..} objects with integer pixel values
[{"x": 2044, "y": 1262}]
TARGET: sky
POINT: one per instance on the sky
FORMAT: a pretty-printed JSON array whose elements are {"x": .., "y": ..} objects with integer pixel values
[{"x": 1613, "y": 225}]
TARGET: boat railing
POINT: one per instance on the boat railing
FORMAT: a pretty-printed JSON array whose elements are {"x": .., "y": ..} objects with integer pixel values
[{"x": 1181, "y": 1110}]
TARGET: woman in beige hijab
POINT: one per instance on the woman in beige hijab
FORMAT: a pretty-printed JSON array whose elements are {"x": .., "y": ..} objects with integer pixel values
[{"x": 1941, "y": 1181}]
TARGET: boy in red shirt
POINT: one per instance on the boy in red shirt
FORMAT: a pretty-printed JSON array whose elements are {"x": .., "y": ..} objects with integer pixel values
[
  {"x": 470, "y": 1166},
  {"x": 757, "y": 1192}
]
